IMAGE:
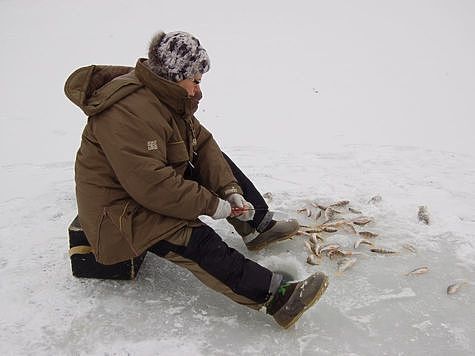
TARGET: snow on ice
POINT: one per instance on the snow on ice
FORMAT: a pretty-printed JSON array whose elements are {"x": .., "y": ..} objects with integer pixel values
[
  {"x": 318, "y": 102},
  {"x": 371, "y": 308}
]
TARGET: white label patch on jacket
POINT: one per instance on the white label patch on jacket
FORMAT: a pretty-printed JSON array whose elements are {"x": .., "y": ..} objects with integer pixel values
[
  {"x": 230, "y": 191},
  {"x": 152, "y": 145}
]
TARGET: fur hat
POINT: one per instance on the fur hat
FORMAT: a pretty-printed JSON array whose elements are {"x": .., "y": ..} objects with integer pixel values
[{"x": 177, "y": 56}]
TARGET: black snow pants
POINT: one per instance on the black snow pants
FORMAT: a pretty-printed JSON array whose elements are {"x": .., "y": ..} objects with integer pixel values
[{"x": 219, "y": 266}]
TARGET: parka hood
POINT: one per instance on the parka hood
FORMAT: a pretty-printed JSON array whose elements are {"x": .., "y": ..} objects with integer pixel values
[{"x": 95, "y": 88}]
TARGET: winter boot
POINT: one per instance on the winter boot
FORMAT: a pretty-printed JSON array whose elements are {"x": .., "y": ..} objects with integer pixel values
[
  {"x": 292, "y": 299},
  {"x": 277, "y": 231}
]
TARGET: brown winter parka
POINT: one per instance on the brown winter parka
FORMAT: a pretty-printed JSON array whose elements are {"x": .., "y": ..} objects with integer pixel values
[{"x": 140, "y": 136}]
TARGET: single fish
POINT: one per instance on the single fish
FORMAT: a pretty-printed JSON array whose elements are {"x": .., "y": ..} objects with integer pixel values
[
  {"x": 363, "y": 241},
  {"x": 309, "y": 246},
  {"x": 318, "y": 214},
  {"x": 453, "y": 288},
  {"x": 423, "y": 215},
  {"x": 304, "y": 233},
  {"x": 344, "y": 224},
  {"x": 349, "y": 227},
  {"x": 313, "y": 260},
  {"x": 348, "y": 252},
  {"x": 382, "y": 250},
  {"x": 341, "y": 203},
  {"x": 316, "y": 250},
  {"x": 314, "y": 238},
  {"x": 345, "y": 263},
  {"x": 330, "y": 229},
  {"x": 409, "y": 247},
  {"x": 329, "y": 247},
  {"x": 307, "y": 211},
  {"x": 330, "y": 213},
  {"x": 367, "y": 234},
  {"x": 317, "y": 230},
  {"x": 319, "y": 206},
  {"x": 361, "y": 221},
  {"x": 354, "y": 211},
  {"x": 419, "y": 270},
  {"x": 376, "y": 199},
  {"x": 335, "y": 223}
]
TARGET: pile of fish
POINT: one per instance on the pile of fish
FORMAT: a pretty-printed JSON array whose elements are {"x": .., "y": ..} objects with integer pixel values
[
  {"x": 330, "y": 219},
  {"x": 341, "y": 217}
]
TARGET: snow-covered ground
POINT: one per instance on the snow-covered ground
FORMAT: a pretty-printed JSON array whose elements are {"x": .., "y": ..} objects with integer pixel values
[
  {"x": 372, "y": 309},
  {"x": 317, "y": 102}
]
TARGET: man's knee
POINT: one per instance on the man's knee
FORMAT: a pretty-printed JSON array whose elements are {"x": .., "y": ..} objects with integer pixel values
[
  {"x": 202, "y": 240},
  {"x": 206, "y": 244}
]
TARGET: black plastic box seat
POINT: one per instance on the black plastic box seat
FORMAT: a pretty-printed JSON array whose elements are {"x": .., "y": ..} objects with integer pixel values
[{"x": 84, "y": 264}]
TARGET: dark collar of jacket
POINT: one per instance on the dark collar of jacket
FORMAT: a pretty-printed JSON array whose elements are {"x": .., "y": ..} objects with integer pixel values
[{"x": 171, "y": 94}]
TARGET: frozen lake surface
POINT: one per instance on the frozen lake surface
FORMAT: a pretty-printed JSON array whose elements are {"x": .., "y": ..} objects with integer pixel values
[
  {"x": 318, "y": 102},
  {"x": 371, "y": 309}
]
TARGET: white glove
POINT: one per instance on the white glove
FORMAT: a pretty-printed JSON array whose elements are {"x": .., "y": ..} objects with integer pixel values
[
  {"x": 238, "y": 202},
  {"x": 222, "y": 211}
]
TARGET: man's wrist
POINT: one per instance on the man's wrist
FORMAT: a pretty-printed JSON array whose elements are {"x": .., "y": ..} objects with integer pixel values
[{"x": 231, "y": 189}]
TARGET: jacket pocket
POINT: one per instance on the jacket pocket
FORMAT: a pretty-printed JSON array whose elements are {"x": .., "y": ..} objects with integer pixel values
[
  {"x": 122, "y": 217},
  {"x": 177, "y": 153}
]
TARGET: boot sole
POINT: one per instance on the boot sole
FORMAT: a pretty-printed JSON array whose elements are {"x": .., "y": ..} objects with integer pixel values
[
  {"x": 317, "y": 296},
  {"x": 263, "y": 244}
]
